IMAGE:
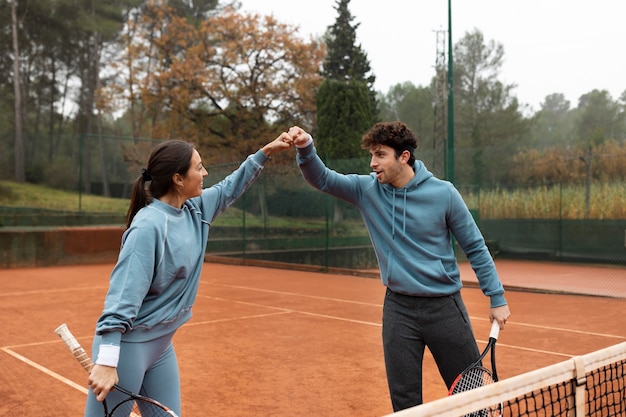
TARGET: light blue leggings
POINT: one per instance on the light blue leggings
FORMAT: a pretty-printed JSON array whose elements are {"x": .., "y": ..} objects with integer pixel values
[{"x": 149, "y": 368}]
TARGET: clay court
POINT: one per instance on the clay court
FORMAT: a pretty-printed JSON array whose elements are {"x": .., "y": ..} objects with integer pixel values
[{"x": 278, "y": 342}]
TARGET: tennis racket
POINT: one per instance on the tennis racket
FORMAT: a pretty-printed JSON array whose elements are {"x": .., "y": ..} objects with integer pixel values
[
  {"x": 476, "y": 375},
  {"x": 133, "y": 405}
]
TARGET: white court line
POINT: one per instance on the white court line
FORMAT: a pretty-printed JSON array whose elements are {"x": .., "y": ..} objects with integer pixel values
[
  {"x": 45, "y": 370},
  {"x": 52, "y": 374},
  {"x": 244, "y": 302},
  {"x": 536, "y": 326},
  {"x": 196, "y": 323},
  {"x": 36, "y": 343},
  {"x": 282, "y": 311},
  {"x": 558, "y": 329},
  {"x": 315, "y": 297},
  {"x": 548, "y": 352},
  {"x": 368, "y": 323}
]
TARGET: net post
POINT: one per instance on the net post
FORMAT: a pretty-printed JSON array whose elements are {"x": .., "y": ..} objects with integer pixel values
[{"x": 581, "y": 381}]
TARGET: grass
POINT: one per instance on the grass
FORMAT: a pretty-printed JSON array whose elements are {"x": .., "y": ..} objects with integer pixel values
[
  {"x": 13, "y": 194},
  {"x": 607, "y": 201},
  {"x": 24, "y": 195}
]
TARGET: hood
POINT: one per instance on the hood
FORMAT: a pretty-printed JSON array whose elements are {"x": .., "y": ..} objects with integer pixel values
[{"x": 421, "y": 175}]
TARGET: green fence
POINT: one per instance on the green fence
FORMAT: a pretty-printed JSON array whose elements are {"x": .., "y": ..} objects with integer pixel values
[
  {"x": 281, "y": 218},
  {"x": 595, "y": 241}
]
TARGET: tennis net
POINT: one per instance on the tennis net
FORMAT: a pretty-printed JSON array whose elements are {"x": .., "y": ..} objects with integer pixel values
[{"x": 589, "y": 385}]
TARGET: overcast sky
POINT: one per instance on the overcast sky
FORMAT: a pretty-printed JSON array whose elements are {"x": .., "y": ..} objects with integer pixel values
[{"x": 551, "y": 46}]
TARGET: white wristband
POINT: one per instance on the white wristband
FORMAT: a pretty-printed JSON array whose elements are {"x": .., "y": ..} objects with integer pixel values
[
  {"x": 307, "y": 143},
  {"x": 108, "y": 355}
]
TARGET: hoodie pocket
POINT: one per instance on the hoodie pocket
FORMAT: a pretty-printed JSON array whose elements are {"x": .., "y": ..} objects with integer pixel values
[{"x": 409, "y": 275}]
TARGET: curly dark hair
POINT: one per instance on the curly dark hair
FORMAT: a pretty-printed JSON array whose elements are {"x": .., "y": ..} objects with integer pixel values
[{"x": 396, "y": 135}]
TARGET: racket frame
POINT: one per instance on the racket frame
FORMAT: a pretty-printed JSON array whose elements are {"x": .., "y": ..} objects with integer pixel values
[{"x": 491, "y": 346}]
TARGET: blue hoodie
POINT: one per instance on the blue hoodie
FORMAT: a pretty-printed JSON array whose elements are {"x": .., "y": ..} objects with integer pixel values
[
  {"x": 155, "y": 280},
  {"x": 410, "y": 229}
]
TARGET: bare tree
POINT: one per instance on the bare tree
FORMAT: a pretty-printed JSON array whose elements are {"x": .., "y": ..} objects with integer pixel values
[{"x": 19, "y": 140}]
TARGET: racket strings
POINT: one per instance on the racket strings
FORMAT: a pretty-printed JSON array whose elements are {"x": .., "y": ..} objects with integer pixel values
[
  {"x": 473, "y": 378},
  {"x": 477, "y": 377}
]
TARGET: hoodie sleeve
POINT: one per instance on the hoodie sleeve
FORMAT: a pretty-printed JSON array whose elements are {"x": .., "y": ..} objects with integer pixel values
[
  {"x": 130, "y": 281},
  {"x": 343, "y": 186},
  {"x": 219, "y": 197},
  {"x": 470, "y": 239}
]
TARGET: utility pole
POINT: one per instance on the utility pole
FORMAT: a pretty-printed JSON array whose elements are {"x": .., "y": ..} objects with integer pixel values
[
  {"x": 450, "y": 145},
  {"x": 439, "y": 107}
]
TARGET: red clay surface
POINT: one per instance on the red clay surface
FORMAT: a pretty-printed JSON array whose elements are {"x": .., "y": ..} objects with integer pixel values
[{"x": 273, "y": 342}]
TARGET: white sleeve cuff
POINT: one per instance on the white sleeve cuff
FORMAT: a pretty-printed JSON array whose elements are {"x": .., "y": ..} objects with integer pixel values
[
  {"x": 108, "y": 355},
  {"x": 305, "y": 144}
]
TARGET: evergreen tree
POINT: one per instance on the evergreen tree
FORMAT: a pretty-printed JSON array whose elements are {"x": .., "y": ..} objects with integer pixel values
[
  {"x": 342, "y": 101},
  {"x": 346, "y": 60},
  {"x": 347, "y": 72}
]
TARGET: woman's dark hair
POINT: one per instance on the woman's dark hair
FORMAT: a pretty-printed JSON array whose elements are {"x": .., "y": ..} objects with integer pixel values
[
  {"x": 393, "y": 134},
  {"x": 167, "y": 158}
]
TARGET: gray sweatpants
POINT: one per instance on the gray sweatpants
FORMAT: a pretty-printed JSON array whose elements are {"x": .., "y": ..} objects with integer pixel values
[{"x": 412, "y": 323}]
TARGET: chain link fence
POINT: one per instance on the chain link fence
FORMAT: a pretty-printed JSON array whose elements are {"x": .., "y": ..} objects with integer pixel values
[{"x": 282, "y": 219}]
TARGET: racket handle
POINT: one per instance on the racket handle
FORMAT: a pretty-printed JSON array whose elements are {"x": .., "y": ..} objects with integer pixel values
[
  {"x": 77, "y": 350},
  {"x": 495, "y": 330}
]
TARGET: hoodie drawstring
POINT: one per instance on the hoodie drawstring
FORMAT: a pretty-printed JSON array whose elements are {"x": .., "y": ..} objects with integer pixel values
[
  {"x": 393, "y": 215},
  {"x": 404, "y": 215}
]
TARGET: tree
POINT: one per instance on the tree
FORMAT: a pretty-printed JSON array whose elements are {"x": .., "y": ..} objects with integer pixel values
[
  {"x": 488, "y": 124},
  {"x": 263, "y": 71},
  {"x": 598, "y": 118},
  {"x": 98, "y": 24},
  {"x": 591, "y": 149},
  {"x": 342, "y": 101},
  {"x": 553, "y": 123},
  {"x": 345, "y": 59},
  {"x": 346, "y": 63},
  {"x": 29, "y": 77},
  {"x": 19, "y": 143},
  {"x": 194, "y": 11},
  {"x": 413, "y": 106},
  {"x": 232, "y": 82}
]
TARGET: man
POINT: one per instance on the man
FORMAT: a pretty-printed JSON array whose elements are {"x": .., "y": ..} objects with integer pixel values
[{"x": 410, "y": 216}]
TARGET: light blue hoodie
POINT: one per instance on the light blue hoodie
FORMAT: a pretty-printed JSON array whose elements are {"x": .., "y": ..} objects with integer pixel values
[
  {"x": 410, "y": 229},
  {"x": 154, "y": 282}
]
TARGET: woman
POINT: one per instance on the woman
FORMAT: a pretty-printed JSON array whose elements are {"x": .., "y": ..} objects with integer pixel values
[{"x": 155, "y": 280}]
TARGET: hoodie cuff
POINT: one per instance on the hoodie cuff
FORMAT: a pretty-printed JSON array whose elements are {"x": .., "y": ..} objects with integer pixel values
[{"x": 497, "y": 301}]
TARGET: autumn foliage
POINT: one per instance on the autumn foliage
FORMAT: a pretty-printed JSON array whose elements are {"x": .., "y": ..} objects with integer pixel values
[
  {"x": 230, "y": 83},
  {"x": 568, "y": 164}
]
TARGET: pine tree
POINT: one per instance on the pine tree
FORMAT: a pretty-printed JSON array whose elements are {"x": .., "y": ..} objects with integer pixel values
[
  {"x": 346, "y": 60},
  {"x": 340, "y": 100}
]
